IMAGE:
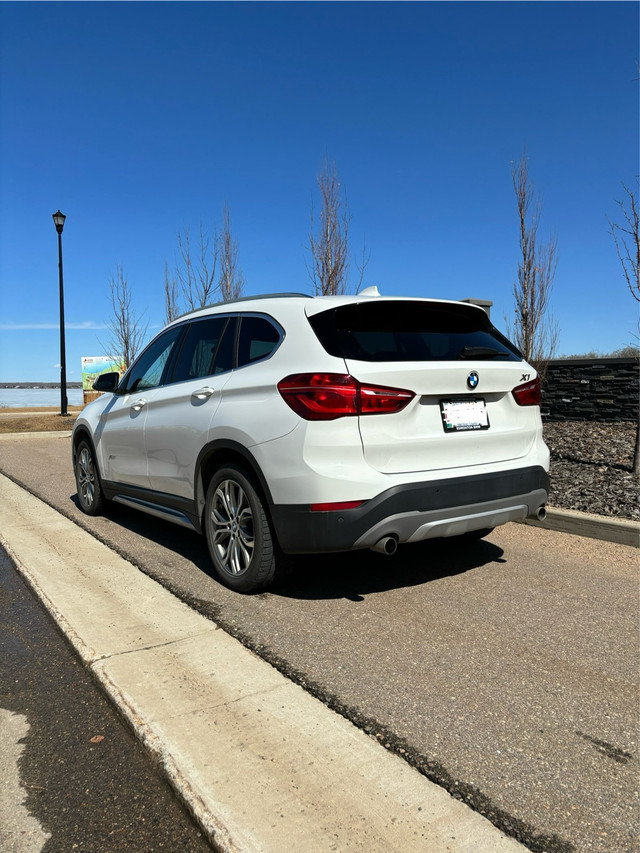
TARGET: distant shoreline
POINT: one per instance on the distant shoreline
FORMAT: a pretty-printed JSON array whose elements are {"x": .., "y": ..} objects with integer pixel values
[{"x": 38, "y": 384}]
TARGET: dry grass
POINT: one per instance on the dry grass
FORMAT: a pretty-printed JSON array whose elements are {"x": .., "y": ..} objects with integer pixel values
[{"x": 36, "y": 420}]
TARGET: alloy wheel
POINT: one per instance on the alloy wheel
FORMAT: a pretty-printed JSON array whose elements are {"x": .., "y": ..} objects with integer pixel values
[
  {"x": 86, "y": 477},
  {"x": 232, "y": 527}
]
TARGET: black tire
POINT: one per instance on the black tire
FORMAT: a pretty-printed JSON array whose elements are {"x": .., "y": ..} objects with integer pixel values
[
  {"x": 90, "y": 495},
  {"x": 242, "y": 548}
]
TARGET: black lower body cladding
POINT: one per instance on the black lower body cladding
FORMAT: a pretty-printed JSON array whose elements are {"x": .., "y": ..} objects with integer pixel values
[{"x": 301, "y": 530}]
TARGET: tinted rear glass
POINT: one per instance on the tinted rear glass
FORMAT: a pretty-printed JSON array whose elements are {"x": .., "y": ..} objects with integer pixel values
[
  {"x": 411, "y": 331},
  {"x": 258, "y": 339}
]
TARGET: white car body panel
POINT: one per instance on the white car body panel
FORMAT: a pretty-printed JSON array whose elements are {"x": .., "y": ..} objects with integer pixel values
[
  {"x": 415, "y": 440},
  {"x": 178, "y": 419},
  {"x": 122, "y": 450}
]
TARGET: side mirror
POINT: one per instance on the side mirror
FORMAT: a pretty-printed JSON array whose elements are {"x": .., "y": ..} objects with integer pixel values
[{"x": 106, "y": 382}]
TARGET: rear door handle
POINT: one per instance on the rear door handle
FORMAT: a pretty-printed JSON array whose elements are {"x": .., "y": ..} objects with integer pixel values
[{"x": 203, "y": 393}]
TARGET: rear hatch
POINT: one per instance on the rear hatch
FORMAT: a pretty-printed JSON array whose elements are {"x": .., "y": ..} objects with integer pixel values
[{"x": 461, "y": 370}]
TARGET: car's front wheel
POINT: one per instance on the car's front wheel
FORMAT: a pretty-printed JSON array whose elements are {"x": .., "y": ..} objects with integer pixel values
[
  {"x": 238, "y": 534},
  {"x": 90, "y": 495}
]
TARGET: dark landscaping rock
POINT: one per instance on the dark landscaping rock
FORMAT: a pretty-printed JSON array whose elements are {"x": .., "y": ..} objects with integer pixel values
[{"x": 591, "y": 467}]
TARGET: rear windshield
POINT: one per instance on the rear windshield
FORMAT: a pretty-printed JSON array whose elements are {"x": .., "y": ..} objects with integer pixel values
[{"x": 411, "y": 331}]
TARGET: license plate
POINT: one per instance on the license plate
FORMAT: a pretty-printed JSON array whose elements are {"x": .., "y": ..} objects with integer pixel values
[{"x": 464, "y": 415}]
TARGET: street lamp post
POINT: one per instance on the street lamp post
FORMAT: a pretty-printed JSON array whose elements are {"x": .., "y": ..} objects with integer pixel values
[{"x": 58, "y": 220}]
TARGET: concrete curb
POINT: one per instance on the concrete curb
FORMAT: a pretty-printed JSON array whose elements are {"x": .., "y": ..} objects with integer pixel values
[
  {"x": 620, "y": 530},
  {"x": 262, "y": 765}
]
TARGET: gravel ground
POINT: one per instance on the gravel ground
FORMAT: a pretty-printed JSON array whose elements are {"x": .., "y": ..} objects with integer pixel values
[{"x": 591, "y": 467}]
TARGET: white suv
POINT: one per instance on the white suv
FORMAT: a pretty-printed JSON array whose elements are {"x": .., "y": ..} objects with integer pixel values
[{"x": 292, "y": 424}]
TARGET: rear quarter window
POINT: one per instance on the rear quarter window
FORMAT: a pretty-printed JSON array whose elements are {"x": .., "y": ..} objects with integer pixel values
[
  {"x": 411, "y": 331},
  {"x": 257, "y": 340}
]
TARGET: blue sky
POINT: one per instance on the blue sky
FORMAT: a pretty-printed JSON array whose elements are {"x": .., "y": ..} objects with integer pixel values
[{"x": 139, "y": 120}]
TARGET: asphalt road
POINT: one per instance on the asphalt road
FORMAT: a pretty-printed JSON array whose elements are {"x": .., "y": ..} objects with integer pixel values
[
  {"x": 506, "y": 670},
  {"x": 73, "y": 778}
]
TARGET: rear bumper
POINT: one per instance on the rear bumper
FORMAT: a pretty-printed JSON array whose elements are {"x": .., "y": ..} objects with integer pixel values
[{"x": 415, "y": 511}]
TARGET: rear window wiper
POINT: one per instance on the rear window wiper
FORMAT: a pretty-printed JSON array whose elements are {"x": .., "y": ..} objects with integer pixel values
[{"x": 481, "y": 352}]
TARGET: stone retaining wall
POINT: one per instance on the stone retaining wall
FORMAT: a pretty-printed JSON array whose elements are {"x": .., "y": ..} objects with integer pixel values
[{"x": 603, "y": 389}]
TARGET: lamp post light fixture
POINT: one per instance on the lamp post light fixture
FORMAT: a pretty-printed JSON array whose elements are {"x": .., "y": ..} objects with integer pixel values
[{"x": 58, "y": 221}]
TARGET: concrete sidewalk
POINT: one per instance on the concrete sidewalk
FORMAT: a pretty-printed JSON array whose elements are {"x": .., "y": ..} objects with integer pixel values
[{"x": 261, "y": 765}]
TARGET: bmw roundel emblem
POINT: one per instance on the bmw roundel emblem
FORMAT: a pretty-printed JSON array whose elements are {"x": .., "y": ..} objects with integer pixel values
[{"x": 472, "y": 380}]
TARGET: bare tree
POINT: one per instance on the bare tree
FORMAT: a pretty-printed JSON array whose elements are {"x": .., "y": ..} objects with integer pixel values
[
  {"x": 329, "y": 245},
  {"x": 627, "y": 242},
  {"x": 196, "y": 271},
  {"x": 533, "y": 329},
  {"x": 230, "y": 280},
  {"x": 127, "y": 332},
  {"x": 171, "y": 305},
  {"x": 203, "y": 272},
  {"x": 362, "y": 264}
]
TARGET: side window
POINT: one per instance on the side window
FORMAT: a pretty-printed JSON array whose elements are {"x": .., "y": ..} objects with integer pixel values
[
  {"x": 226, "y": 348},
  {"x": 198, "y": 350},
  {"x": 148, "y": 369},
  {"x": 258, "y": 339}
]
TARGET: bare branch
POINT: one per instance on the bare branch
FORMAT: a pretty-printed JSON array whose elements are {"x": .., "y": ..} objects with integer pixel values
[
  {"x": 627, "y": 242},
  {"x": 171, "y": 308},
  {"x": 197, "y": 277},
  {"x": 127, "y": 333},
  {"x": 203, "y": 272},
  {"x": 362, "y": 265},
  {"x": 231, "y": 280}
]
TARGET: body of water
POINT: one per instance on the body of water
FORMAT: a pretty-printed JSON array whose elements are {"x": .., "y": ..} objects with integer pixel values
[{"x": 17, "y": 398}]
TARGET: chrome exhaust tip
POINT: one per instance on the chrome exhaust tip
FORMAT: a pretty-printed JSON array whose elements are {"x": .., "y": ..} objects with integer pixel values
[
  {"x": 387, "y": 545},
  {"x": 541, "y": 513}
]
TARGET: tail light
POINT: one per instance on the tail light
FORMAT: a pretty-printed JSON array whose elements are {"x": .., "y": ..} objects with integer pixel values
[
  {"x": 327, "y": 396},
  {"x": 527, "y": 394}
]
